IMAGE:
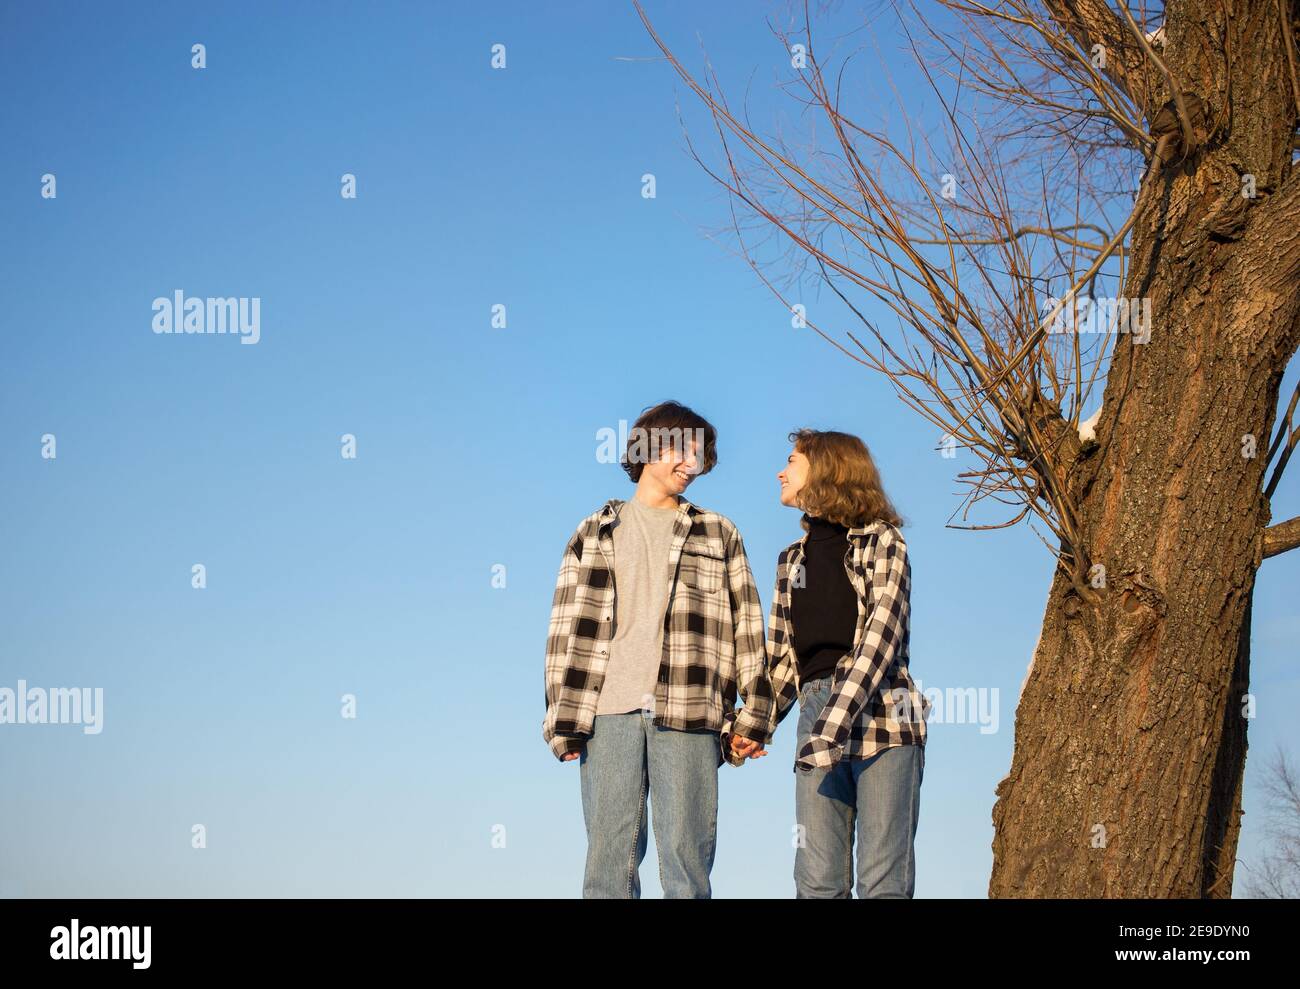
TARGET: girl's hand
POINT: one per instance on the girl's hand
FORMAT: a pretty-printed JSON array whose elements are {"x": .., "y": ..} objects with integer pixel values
[{"x": 746, "y": 748}]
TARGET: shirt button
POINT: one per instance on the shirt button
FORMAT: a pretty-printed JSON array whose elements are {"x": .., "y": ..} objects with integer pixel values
[
  {"x": 604, "y": 653},
  {"x": 605, "y": 618}
]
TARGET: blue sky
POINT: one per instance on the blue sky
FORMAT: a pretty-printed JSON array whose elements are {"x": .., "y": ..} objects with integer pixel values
[{"x": 475, "y": 445}]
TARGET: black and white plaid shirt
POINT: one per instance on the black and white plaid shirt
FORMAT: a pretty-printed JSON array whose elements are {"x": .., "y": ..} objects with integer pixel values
[
  {"x": 874, "y": 703},
  {"x": 713, "y": 633}
]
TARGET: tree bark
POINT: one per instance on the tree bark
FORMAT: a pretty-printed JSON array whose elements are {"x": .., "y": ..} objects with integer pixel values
[{"x": 1131, "y": 731}]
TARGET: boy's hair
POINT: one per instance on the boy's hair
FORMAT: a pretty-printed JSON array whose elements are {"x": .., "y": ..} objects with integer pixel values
[
  {"x": 669, "y": 425},
  {"x": 843, "y": 484}
]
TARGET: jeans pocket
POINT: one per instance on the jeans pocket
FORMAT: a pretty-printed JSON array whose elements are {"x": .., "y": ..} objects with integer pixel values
[{"x": 807, "y": 718}]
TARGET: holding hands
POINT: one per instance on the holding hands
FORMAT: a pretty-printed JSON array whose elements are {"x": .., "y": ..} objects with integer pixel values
[{"x": 746, "y": 748}]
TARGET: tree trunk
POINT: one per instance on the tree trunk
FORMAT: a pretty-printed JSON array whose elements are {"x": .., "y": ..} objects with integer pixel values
[
  {"x": 1131, "y": 733},
  {"x": 1222, "y": 829}
]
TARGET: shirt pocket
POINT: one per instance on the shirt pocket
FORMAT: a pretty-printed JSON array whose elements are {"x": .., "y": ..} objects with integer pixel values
[{"x": 702, "y": 572}]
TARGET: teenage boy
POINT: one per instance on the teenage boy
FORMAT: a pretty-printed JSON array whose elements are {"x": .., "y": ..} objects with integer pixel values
[{"x": 655, "y": 625}]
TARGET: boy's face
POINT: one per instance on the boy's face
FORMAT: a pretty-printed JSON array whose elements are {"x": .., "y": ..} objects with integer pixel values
[{"x": 673, "y": 472}]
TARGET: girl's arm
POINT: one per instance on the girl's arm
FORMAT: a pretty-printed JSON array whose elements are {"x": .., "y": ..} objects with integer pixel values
[{"x": 781, "y": 667}]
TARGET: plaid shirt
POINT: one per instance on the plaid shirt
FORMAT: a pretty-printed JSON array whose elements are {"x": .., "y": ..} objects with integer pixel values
[
  {"x": 713, "y": 634},
  {"x": 873, "y": 704}
]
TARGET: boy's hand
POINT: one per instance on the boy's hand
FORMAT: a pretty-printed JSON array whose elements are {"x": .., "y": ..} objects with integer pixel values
[
  {"x": 746, "y": 748},
  {"x": 569, "y": 756}
]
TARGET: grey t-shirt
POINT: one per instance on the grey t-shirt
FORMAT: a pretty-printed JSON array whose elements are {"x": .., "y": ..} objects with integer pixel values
[{"x": 642, "y": 540}]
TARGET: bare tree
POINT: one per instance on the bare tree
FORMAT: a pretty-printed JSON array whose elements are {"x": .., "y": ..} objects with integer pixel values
[
  {"x": 1107, "y": 205},
  {"x": 1277, "y": 876}
]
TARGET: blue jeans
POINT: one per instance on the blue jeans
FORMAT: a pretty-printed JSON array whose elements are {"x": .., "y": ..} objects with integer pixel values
[
  {"x": 627, "y": 757},
  {"x": 880, "y": 795}
]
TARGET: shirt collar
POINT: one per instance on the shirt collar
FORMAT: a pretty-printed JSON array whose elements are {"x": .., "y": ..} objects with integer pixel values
[
  {"x": 861, "y": 531},
  {"x": 856, "y": 534},
  {"x": 609, "y": 511}
]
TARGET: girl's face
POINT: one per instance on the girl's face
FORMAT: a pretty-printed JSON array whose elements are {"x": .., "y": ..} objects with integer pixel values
[{"x": 792, "y": 478}]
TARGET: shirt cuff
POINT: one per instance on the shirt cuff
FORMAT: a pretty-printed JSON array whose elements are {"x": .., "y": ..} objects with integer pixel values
[
  {"x": 747, "y": 725},
  {"x": 562, "y": 744},
  {"x": 724, "y": 740},
  {"x": 818, "y": 753}
]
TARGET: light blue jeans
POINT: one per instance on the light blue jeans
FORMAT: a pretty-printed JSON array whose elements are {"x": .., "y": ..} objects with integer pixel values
[
  {"x": 881, "y": 796},
  {"x": 627, "y": 758}
]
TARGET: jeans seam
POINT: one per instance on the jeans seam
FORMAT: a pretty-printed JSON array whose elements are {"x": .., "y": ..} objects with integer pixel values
[
  {"x": 912, "y": 814},
  {"x": 636, "y": 836},
  {"x": 855, "y": 849}
]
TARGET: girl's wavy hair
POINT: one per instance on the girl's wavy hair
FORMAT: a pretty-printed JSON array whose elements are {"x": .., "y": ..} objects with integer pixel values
[{"x": 843, "y": 484}]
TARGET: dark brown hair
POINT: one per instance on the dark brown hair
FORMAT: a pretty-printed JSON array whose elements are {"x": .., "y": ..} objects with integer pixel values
[
  {"x": 843, "y": 484},
  {"x": 669, "y": 424}
]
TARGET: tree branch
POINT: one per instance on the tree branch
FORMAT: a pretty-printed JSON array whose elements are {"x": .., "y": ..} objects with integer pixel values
[
  {"x": 1287, "y": 434},
  {"x": 1282, "y": 537},
  {"x": 1053, "y": 232},
  {"x": 1093, "y": 22},
  {"x": 1288, "y": 39},
  {"x": 1175, "y": 90}
]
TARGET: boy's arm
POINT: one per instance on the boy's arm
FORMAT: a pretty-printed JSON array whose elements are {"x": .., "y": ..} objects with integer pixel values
[
  {"x": 750, "y": 721},
  {"x": 563, "y": 612},
  {"x": 857, "y": 682}
]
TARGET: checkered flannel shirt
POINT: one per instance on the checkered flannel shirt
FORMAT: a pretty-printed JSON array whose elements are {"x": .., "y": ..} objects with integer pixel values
[
  {"x": 713, "y": 634},
  {"x": 874, "y": 703}
]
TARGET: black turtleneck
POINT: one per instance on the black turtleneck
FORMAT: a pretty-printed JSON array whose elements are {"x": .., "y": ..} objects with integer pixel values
[{"x": 824, "y": 612}]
